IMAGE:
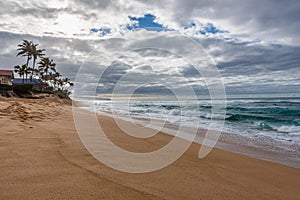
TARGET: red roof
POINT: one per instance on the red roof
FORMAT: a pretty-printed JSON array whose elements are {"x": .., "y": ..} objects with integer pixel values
[{"x": 6, "y": 73}]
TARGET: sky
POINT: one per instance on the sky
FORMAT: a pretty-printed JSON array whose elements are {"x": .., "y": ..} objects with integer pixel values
[{"x": 150, "y": 47}]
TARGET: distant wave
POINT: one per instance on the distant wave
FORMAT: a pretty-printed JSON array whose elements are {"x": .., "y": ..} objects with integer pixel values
[{"x": 276, "y": 118}]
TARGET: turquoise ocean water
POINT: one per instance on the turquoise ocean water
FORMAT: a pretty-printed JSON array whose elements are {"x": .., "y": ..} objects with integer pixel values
[{"x": 277, "y": 118}]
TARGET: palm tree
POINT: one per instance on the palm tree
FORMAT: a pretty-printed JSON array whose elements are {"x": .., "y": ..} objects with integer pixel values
[
  {"x": 65, "y": 83},
  {"x": 54, "y": 78},
  {"x": 46, "y": 65},
  {"x": 23, "y": 71},
  {"x": 34, "y": 72},
  {"x": 36, "y": 53},
  {"x": 25, "y": 50}
]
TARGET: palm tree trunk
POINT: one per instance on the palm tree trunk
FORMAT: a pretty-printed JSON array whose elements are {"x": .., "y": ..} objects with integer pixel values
[
  {"x": 33, "y": 66},
  {"x": 27, "y": 63}
]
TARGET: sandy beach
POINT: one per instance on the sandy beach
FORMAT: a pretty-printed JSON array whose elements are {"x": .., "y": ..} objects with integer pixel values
[{"x": 42, "y": 157}]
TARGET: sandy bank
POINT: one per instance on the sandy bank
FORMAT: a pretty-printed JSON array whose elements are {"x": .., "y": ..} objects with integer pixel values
[{"x": 41, "y": 157}]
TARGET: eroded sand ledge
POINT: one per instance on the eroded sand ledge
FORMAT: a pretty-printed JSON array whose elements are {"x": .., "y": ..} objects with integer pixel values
[{"x": 41, "y": 157}]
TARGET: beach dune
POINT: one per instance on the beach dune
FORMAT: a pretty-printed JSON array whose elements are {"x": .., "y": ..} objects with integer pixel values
[{"x": 42, "y": 157}]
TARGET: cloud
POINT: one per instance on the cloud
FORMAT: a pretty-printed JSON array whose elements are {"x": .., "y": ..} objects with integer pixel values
[
  {"x": 271, "y": 21},
  {"x": 254, "y": 44},
  {"x": 245, "y": 69},
  {"x": 267, "y": 20}
]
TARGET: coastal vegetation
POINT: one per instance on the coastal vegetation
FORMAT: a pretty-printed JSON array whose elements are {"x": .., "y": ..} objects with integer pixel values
[{"x": 45, "y": 74}]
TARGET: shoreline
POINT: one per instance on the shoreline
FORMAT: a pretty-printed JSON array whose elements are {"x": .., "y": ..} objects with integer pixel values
[
  {"x": 42, "y": 157},
  {"x": 260, "y": 148}
]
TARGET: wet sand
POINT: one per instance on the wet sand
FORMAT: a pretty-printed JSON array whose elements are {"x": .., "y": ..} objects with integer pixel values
[{"x": 42, "y": 157}]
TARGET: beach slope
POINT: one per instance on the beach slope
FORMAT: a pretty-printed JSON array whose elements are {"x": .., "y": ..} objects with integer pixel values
[{"x": 42, "y": 157}]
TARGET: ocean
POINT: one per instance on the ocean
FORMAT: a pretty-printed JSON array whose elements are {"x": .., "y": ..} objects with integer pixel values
[
  {"x": 266, "y": 127},
  {"x": 277, "y": 118}
]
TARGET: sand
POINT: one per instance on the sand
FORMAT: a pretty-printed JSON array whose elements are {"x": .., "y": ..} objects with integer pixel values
[{"x": 41, "y": 157}]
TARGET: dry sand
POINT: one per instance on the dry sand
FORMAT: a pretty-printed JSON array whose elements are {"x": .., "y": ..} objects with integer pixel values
[{"x": 41, "y": 157}]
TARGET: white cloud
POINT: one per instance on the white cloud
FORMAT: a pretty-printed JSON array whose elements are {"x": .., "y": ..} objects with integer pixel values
[
  {"x": 246, "y": 56},
  {"x": 271, "y": 21}
]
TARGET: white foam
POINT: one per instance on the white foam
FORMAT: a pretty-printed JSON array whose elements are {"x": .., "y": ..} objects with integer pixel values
[{"x": 291, "y": 130}]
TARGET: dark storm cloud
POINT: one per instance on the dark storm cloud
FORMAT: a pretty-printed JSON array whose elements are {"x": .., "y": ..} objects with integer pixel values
[
  {"x": 111, "y": 76},
  {"x": 259, "y": 54},
  {"x": 266, "y": 19},
  {"x": 162, "y": 90},
  {"x": 190, "y": 71},
  {"x": 114, "y": 72},
  {"x": 245, "y": 67},
  {"x": 241, "y": 59}
]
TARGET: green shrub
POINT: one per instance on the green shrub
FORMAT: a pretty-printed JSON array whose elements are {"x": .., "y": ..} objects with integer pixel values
[{"x": 63, "y": 94}]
